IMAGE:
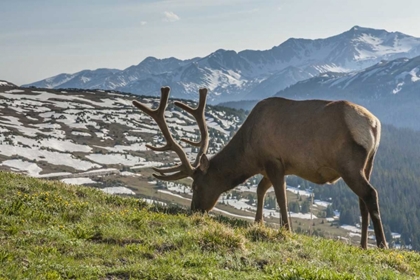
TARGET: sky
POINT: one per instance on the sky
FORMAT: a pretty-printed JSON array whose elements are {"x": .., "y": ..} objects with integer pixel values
[{"x": 43, "y": 38}]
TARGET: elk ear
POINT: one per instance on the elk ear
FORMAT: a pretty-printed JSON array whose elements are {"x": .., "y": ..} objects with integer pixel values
[{"x": 204, "y": 163}]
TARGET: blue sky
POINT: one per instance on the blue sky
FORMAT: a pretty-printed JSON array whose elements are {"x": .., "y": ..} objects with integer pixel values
[{"x": 42, "y": 38}]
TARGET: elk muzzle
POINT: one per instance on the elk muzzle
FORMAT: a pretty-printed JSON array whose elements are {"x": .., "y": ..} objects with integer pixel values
[{"x": 196, "y": 208}]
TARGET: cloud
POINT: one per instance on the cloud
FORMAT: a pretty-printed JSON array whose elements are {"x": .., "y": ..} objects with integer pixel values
[
  {"x": 170, "y": 16},
  {"x": 143, "y": 22}
]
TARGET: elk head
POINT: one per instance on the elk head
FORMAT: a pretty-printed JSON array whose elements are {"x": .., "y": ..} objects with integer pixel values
[{"x": 204, "y": 194}]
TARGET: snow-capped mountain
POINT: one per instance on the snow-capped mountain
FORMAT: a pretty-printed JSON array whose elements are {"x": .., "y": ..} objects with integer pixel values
[
  {"x": 4, "y": 83},
  {"x": 384, "y": 79},
  {"x": 390, "y": 89},
  {"x": 249, "y": 74},
  {"x": 82, "y": 79}
]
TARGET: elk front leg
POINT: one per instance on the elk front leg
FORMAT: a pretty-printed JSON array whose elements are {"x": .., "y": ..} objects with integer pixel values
[
  {"x": 262, "y": 188},
  {"x": 275, "y": 173}
]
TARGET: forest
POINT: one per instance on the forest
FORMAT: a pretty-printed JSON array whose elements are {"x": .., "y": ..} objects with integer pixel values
[{"x": 396, "y": 177}]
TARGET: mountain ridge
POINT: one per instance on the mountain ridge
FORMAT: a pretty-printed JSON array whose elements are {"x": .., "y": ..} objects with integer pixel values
[
  {"x": 250, "y": 74},
  {"x": 390, "y": 89}
]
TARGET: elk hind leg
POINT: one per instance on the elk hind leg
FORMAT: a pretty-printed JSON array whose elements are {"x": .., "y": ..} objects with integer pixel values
[
  {"x": 365, "y": 223},
  {"x": 363, "y": 208},
  {"x": 262, "y": 188},
  {"x": 358, "y": 182}
]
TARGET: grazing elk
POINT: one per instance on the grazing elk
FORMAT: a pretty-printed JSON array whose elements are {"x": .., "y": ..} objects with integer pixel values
[{"x": 317, "y": 140}]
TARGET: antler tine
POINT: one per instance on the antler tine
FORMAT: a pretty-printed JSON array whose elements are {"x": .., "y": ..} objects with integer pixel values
[
  {"x": 171, "y": 177},
  {"x": 158, "y": 114},
  {"x": 155, "y": 113},
  {"x": 158, "y": 149},
  {"x": 168, "y": 169},
  {"x": 192, "y": 143},
  {"x": 198, "y": 114}
]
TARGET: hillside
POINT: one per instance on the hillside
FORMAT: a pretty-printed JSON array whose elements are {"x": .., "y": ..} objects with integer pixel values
[
  {"x": 246, "y": 105},
  {"x": 73, "y": 131},
  {"x": 98, "y": 139},
  {"x": 49, "y": 230},
  {"x": 248, "y": 74}
]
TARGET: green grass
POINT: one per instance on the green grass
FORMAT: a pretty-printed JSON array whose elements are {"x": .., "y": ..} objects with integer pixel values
[{"x": 49, "y": 230}]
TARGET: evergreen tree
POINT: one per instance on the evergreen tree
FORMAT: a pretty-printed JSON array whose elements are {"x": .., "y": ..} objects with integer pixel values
[
  {"x": 329, "y": 213},
  {"x": 294, "y": 207},
  {"x": 251, "y": 199},
  {"x": 305, "y": 208},
  {"x": 270, "y": 202},
  {"x": 349, "y": 216}
]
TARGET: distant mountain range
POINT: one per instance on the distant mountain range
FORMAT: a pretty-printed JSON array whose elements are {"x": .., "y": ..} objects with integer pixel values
[
  {"x": 249, "y": 74},
  {"x": 386, "y": 79},
  {"x": 390, "y": 89}
]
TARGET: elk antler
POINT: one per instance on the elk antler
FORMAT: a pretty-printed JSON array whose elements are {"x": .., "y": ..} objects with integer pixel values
[
  {"x": 198, "y": 114},
  {"x": 182, "y": 170}
]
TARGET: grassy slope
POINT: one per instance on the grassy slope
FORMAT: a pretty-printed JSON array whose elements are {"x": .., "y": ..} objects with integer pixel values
[{"x": 49, "y": 230}]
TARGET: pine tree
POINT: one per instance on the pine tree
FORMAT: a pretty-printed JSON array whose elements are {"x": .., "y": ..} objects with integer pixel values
[
  {"x": 329, "y": 212},
  {"x": 305, "y": 208},
  {"x": 294, "y": 207}
]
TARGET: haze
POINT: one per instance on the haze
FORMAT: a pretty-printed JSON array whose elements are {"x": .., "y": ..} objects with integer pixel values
[{"x": 42, "y": 38}]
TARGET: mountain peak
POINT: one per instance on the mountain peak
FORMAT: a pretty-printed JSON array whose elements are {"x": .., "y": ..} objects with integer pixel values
[
  {"x": 224, "y": 52},
  {"x": 149, "y": 59},
  {"x": 232, "y": 75},
  {"x": 4, "y": 83},
  {"x": 359, "y": 28}
]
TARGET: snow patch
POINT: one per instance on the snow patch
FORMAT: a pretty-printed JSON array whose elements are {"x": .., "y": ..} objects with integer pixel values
[
  {"x": 118, "y": 190},
  {"x": 30, "y": 168},
  {"x": 78, "y": 181},
  {"x": 398, "y": 88}
]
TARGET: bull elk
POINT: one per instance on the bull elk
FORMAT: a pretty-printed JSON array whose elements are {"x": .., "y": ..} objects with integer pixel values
[{"x": 317, "y": 140}]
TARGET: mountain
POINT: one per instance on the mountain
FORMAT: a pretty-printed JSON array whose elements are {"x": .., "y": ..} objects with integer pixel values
[
  {"x": 390, "y": 89},
  {"x": 4, "y": 83},
  {"x": 82, "y": 79},
  {"x": 249, "y": 74}
]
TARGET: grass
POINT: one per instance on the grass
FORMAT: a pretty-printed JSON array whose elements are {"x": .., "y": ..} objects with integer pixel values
[{"x": 49, "y": 230}]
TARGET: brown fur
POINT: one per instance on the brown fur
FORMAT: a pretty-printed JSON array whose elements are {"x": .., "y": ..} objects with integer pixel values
[
  {"x": 317, "y": 140},
  {"x": 360, "y": 120}
]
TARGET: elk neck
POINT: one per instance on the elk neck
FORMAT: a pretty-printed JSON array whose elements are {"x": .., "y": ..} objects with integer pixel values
[{"x": 232, "y": 165}]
